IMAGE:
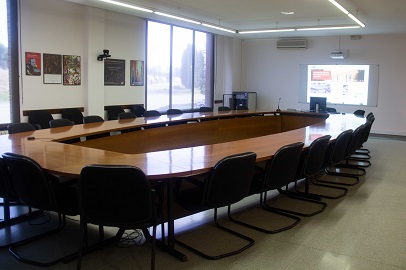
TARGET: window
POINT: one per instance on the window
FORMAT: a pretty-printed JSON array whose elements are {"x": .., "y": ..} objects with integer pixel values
[
  {"x": 179, "y": 68},
  {"x": 9, "y": 100}
]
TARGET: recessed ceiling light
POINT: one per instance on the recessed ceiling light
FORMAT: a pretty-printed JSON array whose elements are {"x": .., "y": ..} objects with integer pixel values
[{"x": 287, "y": 12}]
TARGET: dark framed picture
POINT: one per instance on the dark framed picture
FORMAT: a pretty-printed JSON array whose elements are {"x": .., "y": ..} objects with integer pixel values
[
  {"x": 136, "y": 73},
  {"x": 71, "y": 70},
  {"x": 114, "y": 72},
  {"x": 52, "y": 68},
  {"x": 32, "y": 64}
]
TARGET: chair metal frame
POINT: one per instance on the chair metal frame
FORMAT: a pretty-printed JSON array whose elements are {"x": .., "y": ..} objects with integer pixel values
[
  {"x": 137, "y": 205},
  {"x": 335, "y": 155},
  {"x": 279, "y": 171},
  {"x": 232, "y": 175}
]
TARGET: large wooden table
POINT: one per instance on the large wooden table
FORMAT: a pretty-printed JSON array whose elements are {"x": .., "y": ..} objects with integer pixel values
[{"x": 176, "y": 150}]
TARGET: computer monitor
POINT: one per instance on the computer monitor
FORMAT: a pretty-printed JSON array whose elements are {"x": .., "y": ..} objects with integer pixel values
[{"x": 322, "y": 101}]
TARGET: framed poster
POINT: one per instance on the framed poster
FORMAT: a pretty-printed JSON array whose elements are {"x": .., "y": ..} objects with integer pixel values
[
  {"x": 71, "y": 70},
  {"x": 52, "y": 68},
  {"x": 114, "y": 72},
  {"x": 32, "y": 64},
  {"x": 137, "y": 73}
]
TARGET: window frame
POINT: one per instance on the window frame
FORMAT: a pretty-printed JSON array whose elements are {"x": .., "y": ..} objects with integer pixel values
[
  {"x": 211, "y": 61},
  {"x": 12, "y": 24}
]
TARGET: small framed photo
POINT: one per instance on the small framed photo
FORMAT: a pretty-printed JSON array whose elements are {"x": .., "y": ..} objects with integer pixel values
[{"x": 32, "y": 64}]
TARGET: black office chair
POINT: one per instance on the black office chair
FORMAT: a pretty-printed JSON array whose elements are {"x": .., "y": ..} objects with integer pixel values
[
  {"x": 40, "y": 118},
  {"x": 241, "y": 108},
  {"x": 173, "y": 111},
  {"x": 227, "y": 183},
  {"x": 73, "y": 114},
  {"x": 224, "y": 109},
  {"x": 126, "y": 115},
  {"x": 335, "y": 154},
  {"x": 346, "y": 168},
  {"x": 138, "y": 110},
  {"x": 113, "y": 111},
  {"x": 63, "y": 122},
  {"x": 359, "y": 113},
  {"x": 279, "y": 171},
  {"x": 363, "y": 153},
  {"x": 311, "y": 162},
  {"x": 38, "y": 189},
  {"x": 131, "y": 204},
  {"x": 151, "y": 113},
  {"x": 9, "y": 196},
  {"x": 205, "y": 109},
  {"x": 94, "y": 119},
  {"x": 20, "y": 127}
]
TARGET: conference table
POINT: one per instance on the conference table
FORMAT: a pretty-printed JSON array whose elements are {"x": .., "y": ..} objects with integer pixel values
[{"x": 189, "y": 144}]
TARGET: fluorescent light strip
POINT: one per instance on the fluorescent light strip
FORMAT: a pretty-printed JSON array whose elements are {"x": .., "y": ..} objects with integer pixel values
[
  {"x": 127, "y": 5},
  {"x": 266, "y": 31},
  {"x": 340, "y": 7},
  {"x": 328, "y": 28},
  {"x": 347, "y": 13},
  {"x": 176, "y": 17},
  {"x": 356, "y": 20},
  {"x": 219, "y": 28}
]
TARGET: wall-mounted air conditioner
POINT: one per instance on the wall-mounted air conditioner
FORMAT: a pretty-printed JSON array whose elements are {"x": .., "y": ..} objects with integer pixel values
[{"x": 291, "y": 44}]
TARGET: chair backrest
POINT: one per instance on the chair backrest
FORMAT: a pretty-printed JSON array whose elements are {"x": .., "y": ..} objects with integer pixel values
[
  {"x": 138, "y": 110},
  {"x": 205, "y": 109},
  {"x": 113, "y": 111},
  {"x": 173, "y": 111},
  {"x": 6, "y": 188},
  {"x": 63, "y": 122},
  {"x": 40, "y": 117},
  {"x": 359, "y": 113},
  {"x": 241, "y": 108},
  {"x": 126, "y": 115},
  {"x": 339, "y": 147},
  {"x": 224, "y": 109},
  {"x": 365, "y": 134},
  {"x": 73, "y": 114},
  {"x": 151, "y": 113},
  {"x": 19, "y": 127},
  {"x": 92, "y": 119},
  {"x": 356, "y": 136},
  {"x": 332, "y": 110},
  {"x": 314, "y": 156},
  {"x": 29, "y": 181},
  {"x": 230, "y": 180},
  {"x": 280, "y": 170},
  {"x": 105, "y": 202}
]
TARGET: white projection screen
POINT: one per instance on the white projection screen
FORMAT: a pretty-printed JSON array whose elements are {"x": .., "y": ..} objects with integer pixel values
[{"x": 340, "y": 84}]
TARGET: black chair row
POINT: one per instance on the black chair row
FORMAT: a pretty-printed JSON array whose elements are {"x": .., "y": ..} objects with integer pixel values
[
  {"x": 228, "y": 182},
  {"x": 94, "y": 197}
]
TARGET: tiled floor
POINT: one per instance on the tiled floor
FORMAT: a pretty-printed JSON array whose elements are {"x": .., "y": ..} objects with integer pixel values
[{"x": 364, "y": 230}]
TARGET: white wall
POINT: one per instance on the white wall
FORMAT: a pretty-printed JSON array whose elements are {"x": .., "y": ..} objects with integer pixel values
[
  {"x": 59, "y": 27},
  {"x": 274, "y": 74}
]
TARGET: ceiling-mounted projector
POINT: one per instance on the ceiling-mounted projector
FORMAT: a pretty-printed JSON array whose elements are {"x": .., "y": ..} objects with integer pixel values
[{"x": 341, "y": 54}]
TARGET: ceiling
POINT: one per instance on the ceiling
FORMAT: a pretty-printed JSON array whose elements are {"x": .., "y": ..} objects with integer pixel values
[{"x": 379, "y": 16}]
